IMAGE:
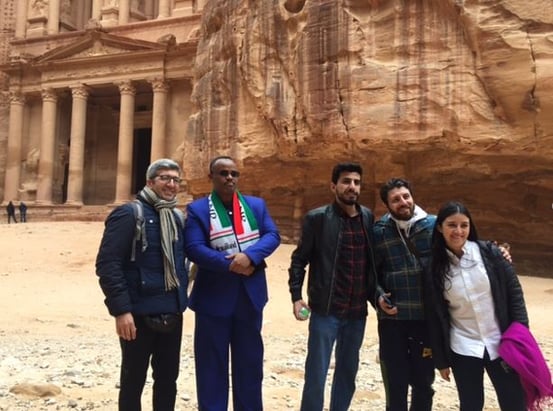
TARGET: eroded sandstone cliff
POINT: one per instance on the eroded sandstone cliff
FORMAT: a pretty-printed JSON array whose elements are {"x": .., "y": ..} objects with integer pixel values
[{"x": 455, "y": 95}]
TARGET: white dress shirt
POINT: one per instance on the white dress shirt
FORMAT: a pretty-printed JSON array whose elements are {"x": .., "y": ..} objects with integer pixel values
[{"x": 474, "y": 326}]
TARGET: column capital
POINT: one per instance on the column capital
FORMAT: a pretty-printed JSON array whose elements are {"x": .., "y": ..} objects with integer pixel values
[
  {"x": 159, "y": 85},
  {"x": 49, "y": 94},
  {"x": 126, "y": 87},
  {"x": 16, "y": 97},
  {"x": 80, "y": 91}
]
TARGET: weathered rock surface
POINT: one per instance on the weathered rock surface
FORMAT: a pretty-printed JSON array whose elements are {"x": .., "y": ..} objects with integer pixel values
[
  {"x": 457, "y": 96},
  {"x": 35, "y": 390}
]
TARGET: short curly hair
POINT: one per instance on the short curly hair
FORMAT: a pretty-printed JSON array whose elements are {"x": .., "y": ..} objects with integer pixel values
[{"x": 390, "y": 185}]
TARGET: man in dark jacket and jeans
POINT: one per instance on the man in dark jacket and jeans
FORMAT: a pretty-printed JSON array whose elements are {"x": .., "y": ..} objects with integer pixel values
[
  {"x": 336, "y": 243},
  {"x": 145, "y": 286},
  {"x": 402, "y": 237}
]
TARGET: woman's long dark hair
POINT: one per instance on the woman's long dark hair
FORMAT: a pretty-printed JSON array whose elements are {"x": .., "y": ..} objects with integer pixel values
[{"x": 440, "y": 258}]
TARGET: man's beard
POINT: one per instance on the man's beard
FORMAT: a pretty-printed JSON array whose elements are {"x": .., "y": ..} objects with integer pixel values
[
  {"x": 349, "y": 202},
  {"x": 346, "y": 200},
  {"x": 403, "y": 217}
]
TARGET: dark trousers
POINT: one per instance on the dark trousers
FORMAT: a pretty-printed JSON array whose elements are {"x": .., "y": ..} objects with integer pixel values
[
  {"x": 10, "y": 216},
  {"x": 406, "y": 360},
  {"x": 212, "y": 338},
  {"x": 164, "y": 350},
  {"x": 469, "y": 377}
]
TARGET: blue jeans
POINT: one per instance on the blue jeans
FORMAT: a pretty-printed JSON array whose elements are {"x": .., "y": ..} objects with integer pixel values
[{"x": 324, "y": 331}]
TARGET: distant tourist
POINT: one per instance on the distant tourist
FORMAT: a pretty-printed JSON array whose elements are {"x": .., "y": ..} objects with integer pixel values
[
  {"x": 22, "y": 212},
  {"x": 11, "y": 212}
]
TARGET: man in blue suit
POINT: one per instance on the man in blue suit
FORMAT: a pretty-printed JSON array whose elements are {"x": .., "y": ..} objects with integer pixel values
[{"x": 228, "y": 236}]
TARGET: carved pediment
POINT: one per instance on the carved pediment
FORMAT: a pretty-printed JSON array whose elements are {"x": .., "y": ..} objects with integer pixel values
[
  {"x": 97, "y": 43},
  {"x": 99, "y": 48}
]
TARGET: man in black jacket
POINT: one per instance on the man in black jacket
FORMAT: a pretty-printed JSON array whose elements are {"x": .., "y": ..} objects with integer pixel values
[
  {"x": 336, "y": 243},
  {"x": 144, "y": 281},
  {"x": 10, "y": 209}
]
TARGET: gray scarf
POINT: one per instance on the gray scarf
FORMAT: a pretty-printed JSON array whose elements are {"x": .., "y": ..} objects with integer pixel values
[{"x": 168, "y": 231}]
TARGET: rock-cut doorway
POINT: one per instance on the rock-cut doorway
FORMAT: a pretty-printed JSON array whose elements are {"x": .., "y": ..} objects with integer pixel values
[{"x": 141, "y": 157}]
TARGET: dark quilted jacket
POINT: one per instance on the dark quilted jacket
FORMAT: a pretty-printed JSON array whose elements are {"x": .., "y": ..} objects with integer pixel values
[{"x": 138, "y": 286}]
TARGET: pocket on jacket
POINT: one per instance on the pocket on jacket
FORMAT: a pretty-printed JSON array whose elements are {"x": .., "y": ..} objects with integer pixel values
[
  {"x": 396, "y": 281},
  {"x": 151, "y": 283}
]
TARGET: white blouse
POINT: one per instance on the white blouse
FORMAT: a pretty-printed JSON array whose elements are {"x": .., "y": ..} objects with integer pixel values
[{"x": 474, "y": 326}]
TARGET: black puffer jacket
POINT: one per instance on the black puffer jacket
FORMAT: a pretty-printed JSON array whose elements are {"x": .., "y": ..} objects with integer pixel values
[
  {"x": 318, "y": 247},
  {"x": 138, "y": 286},
  {"x": 507, "y": 297}
]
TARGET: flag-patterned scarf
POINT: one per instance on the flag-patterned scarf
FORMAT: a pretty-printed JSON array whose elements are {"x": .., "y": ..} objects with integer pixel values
[{"x": 231, "y": 236}]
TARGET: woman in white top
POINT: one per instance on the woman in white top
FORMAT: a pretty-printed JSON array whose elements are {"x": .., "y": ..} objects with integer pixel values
[{"x": 473, "y": 295}]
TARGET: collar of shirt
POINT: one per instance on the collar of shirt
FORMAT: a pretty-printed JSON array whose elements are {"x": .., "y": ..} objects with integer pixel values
[
  {"x": 471, "y": 256},
  {"x": 473, "y": 323}
]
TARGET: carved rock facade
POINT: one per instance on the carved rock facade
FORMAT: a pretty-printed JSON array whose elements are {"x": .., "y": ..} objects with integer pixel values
[
  {"x": 456, "y": 96},
  {"x": 93, "y": 91}
]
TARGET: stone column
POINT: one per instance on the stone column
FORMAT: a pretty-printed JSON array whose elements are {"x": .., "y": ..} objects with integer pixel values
[
  {"x": 160, "y": 88},
  {"x": 53, "y": 26},
  {"x": 124, "y": 12},
  {"x": 83, "y": 9},
  {"x": 110, "y": 13},
  {"x": 20, "y": 19},
  {"x": 125, "y": 145},
  {"x": 13, "y": 154},
  {"x": 47, "y": 147},
  {"x": 77, "y": 145},
  {"x": 149, "y": 9},
  {"x": 97, "y": 10},
  {"x": 164, "y": 9}
]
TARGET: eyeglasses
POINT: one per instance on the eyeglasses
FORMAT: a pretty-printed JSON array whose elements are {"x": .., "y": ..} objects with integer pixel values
[
  {"x": 226, "y": 173},
  {"x": 166, "y": 178}
]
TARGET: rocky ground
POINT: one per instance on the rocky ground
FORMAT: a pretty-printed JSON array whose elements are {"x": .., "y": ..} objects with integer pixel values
[
  {"x": 58, "y": 349},
  {"x": 85, "y": 370}
]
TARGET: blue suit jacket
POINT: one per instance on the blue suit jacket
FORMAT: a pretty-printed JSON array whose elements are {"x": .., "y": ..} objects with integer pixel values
[{"x": 216, "y": 289}]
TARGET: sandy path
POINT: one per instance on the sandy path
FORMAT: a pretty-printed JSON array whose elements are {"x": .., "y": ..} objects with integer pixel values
[{"x": 55, "y": 328}]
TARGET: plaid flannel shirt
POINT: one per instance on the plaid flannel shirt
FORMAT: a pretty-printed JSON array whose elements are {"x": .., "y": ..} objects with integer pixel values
[{"x": 398, "y": 270}]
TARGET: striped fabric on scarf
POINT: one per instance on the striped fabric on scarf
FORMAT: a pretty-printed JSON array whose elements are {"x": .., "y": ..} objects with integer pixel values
[
  {"x": 233, "y": 236},
  {"x": 169, "y": 234}
]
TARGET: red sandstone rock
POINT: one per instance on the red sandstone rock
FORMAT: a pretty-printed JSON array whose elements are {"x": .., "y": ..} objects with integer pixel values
[{"x": 455, "y": 96}]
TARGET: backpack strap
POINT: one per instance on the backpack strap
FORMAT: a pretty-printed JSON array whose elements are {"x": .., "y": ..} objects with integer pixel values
[
  {"x": 139, "y": 228},
  {"x": 140, "y": 225}
]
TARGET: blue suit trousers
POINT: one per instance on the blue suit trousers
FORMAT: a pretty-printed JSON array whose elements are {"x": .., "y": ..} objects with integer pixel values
[{"x": 241, "y": 331}]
